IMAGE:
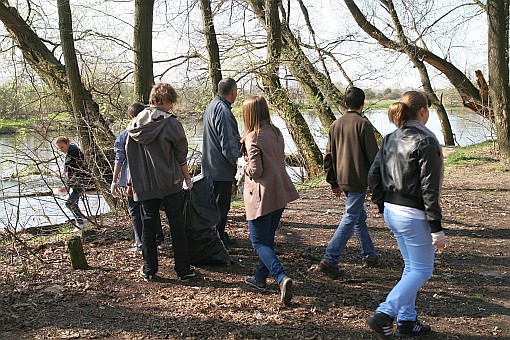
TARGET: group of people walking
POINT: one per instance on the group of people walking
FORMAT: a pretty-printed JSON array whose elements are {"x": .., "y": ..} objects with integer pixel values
[{"x": 405, "y": 176}]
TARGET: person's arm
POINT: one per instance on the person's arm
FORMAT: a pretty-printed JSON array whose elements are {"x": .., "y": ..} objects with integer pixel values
[
  {"x": 375, "y": 182},
  {"x": 330, "y": 167},
  {"x": 430, "y": 176},
  {"x": 254, "y": 166},
  {"x": 188, "y": 184},
  {"x": 228, "y": 134}
]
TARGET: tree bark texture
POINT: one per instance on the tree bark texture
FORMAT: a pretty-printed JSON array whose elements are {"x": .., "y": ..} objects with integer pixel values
[
  {"x": 143, "y": 76},
  {"x": 468, "y": 92},
  {"x": 211, "y": 44},
  {"x": 76, "y": 254},
  {"x": 497, "y": 12},
  {"x": 424, "y": 76}
]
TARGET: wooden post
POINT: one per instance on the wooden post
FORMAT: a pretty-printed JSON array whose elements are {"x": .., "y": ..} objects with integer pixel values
[{"x": 75, "y": 247}]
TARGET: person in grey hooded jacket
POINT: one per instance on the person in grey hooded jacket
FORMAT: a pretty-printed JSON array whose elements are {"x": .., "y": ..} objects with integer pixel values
[
  {"x": 221, "y": 149},
  {"x": 156, "y": 151}
]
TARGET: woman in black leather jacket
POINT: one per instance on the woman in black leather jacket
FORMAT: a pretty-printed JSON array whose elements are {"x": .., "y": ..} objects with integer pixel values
[{"x": 405, "y": 180}]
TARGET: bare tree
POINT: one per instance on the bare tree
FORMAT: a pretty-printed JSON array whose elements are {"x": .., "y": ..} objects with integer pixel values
[
  {"x": 497, "y": 12},
  {"x": 211, "y": 43},
  {"x": 142, "y": 43}
]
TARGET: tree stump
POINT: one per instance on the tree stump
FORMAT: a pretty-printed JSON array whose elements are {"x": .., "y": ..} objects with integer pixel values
[{"x": 76, "y": 253}]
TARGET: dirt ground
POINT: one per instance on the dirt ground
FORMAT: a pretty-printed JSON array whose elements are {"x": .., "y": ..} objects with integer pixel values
[{"x": 468, "y": 296}]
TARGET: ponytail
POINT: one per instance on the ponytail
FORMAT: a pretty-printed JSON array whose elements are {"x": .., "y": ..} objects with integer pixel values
[
  {"x": 398, "y": 113},
  {"x": 407, "y": 109}
]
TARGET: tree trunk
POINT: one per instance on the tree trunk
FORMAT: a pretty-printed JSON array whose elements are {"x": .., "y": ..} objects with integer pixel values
[
  {"x": 76, "y": 254},
  {"x": 212, "y": 45},
  {"x": 497, "y": 12},
  {"x": 424, "y": 76},
  {"x": 142, "y": 45},
  {"x": 278, "y": 97},
  {"x": 86, "y": 111}
]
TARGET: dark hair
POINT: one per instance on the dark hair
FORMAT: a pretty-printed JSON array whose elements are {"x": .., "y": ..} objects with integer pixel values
[
  {"x": 354, "y": 97},
  {"x": 135, "y": 108},
  {"x": 161, "y": 92},
  {"x": 225, "y": 86},
  {"x": 408, "y": 107}
]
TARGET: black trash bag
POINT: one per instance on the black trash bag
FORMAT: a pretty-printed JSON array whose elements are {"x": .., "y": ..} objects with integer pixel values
[{"x": 202, "y": 215}]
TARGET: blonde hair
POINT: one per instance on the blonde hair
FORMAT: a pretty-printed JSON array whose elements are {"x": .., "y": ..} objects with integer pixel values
[
  {"x": 408, "y": 107},
  {"x": 255, "y": 111},
  {"x": 161, "y": 92}
]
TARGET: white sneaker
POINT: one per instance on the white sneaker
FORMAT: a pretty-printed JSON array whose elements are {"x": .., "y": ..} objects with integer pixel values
[{"x": 79, "y": 227}]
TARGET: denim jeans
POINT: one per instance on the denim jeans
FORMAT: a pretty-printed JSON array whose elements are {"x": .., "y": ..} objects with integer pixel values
[
  {"x": 415, "y": 243},
  {"x": 353, "y": 220},
  {"x": 136, "y": 221},
  {"x": 174, "y": 209},
  {"x": 72, "y": 205},
  {"x": 262, "y": 231},
  {"x": 223, "y": 193}
]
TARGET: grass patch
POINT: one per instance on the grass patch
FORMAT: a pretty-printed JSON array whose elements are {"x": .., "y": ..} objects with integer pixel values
[
  {"x": 473, "y": 154},
  {"x": 237, "y": 204},
  {"x": 476, "y": 298}
]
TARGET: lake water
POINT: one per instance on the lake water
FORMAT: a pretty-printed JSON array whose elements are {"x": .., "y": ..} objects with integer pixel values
[{"x": 19, "y": 153}]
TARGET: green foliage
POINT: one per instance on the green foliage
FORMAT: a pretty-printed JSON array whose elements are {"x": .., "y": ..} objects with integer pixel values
[{"x": 475, "y": 154}]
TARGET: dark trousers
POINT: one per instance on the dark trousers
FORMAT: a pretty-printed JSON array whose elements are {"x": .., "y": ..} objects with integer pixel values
[
  {"x": 135, "y": 211},
  {"x": 174, "y": 209},
  {"x": 72, "y": 205},
  {"x": 223, "y": 193}
]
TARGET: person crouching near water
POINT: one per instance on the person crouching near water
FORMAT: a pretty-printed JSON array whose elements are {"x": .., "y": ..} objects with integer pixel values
[
  {"x": 267, "y": 190},
  {"x": 406, "y": 179}
]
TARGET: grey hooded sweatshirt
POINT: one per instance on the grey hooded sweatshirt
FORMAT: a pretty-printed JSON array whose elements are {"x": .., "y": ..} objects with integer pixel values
[{"x": 156, "y": 149}]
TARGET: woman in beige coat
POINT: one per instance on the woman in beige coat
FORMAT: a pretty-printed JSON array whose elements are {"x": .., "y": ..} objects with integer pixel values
[{"x": 267, "y": 190}]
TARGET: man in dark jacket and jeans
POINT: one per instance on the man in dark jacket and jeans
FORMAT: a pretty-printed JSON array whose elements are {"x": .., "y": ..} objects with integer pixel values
[
  {"x": 221, "y": 149},
  {"x": 350, "y": 151}
]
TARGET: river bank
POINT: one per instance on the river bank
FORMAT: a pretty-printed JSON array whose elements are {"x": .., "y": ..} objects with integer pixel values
[{"x": 467, "y": 298}]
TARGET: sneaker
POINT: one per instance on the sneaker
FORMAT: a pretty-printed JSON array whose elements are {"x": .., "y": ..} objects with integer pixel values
[
  {"x": 135, "y": 249},
  {"x": 330, "y": 270},
  {"x": 407, "y": 329},
  {"x": 148, "y": 277},
  {"x": 382, "y": 324},
  {"x": 192, "y": 274},
  {"x": 286, "y": 291},
  {"x": 370, "y": 262},
  {"x": 79, "y": 227},
  {"x": 252, "y": 282},
  {"x": 164, "y": 246}
]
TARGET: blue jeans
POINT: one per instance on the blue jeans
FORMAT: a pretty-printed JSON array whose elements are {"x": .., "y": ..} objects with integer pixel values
[
  {"x": 353, "y": 220},
  {"x": 72, "y": 205},
  {"x": 174, "y": 209},
  {"x": 415, "y": 243},
  {"x": 262, "y": 231},
  {"x": 135, "y": 213}
]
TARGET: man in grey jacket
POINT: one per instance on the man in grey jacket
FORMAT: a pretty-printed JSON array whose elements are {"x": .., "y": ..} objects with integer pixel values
[{"x": 221, "y": 149}]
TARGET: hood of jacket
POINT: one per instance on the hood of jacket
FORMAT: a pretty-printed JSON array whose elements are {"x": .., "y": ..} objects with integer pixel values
[{"x": 144, "y": 128}]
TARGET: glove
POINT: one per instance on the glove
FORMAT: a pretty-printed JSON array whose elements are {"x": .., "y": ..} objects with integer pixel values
[
  {"x": 114, "y": 189},
  {"x": 439, "y": 239},
  {"x": 187, "y": 184}
]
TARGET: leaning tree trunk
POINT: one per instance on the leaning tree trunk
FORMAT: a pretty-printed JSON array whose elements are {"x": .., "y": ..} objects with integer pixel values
[
  {"x": 211, "y": 44},
  {"x": 53, "y": 73},
  {"x": 468, "y": 92},
  {"x": 142, "y": 44},
  {"x": 424, "y": 76},
  {"x": 497, "y": 12},
  {"x": 278, "y": 98},
  {"x": 85, "y": 111}
]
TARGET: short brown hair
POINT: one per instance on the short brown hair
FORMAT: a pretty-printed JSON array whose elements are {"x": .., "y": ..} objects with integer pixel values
[
  {"x": 161, "y": 92},
  {"x": 135, "y": 108},
  {"x": 62, "y": 139}
]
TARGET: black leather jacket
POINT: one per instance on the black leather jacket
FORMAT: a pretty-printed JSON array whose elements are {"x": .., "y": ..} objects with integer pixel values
[{"x": 407, "y": 171}]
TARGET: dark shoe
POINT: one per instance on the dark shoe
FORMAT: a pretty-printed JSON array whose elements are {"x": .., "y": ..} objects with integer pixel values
[
  {"x": 252, "y": 282},
  {"x": 192, "y": 274},
  {"x": 407, "y": 329},
  {"x": 370, "y": 262},
  {"x": 286, "y": 291},
  {"x": 148, "y": 277},
  {"x": 164, "y": 246},
  {"x": 331, "y": 270},
  {"x": 382, "y": 324}
]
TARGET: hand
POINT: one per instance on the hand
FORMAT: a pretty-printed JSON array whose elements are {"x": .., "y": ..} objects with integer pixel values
[
  {"x": 336, "y": 192},
  {"x": 439, "y": 239},
  {"x": 241, "y": 162},
  {"x": 114, "y": 189},
  {"x": 187, "y": 184},
  {"x": 130, "y": 191}
]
